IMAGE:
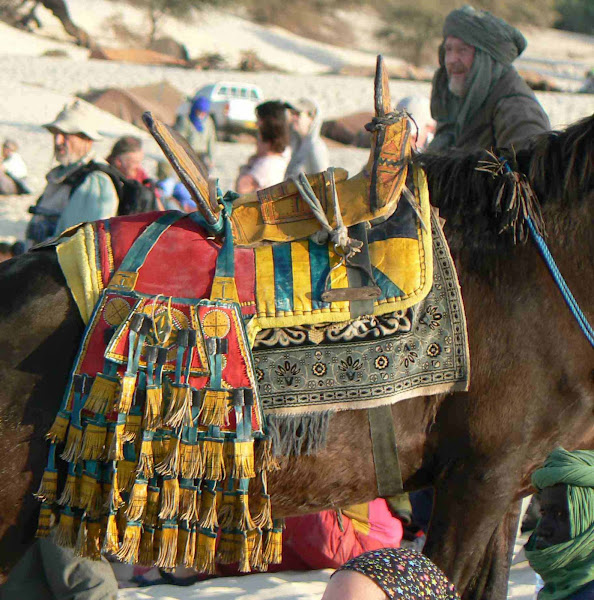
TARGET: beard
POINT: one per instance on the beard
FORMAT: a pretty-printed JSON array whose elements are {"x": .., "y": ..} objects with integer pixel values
[{"x": 457, "y": 86}]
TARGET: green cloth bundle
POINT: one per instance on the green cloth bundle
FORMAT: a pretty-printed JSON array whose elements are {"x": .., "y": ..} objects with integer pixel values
[{"x": 567, "y": 567}]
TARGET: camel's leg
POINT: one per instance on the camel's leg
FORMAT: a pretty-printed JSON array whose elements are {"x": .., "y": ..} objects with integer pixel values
[
  {"x": 469, "y": 535},
  {"x": 494, "y": 569}
]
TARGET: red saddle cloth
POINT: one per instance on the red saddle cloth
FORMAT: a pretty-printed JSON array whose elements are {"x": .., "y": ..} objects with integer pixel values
[{"x": 182, "y": 263}]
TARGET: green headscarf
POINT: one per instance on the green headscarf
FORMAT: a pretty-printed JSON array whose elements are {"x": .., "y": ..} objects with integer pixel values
[
  {"x": 567, "y": 567},
  {"x": 496, "y": 44}
]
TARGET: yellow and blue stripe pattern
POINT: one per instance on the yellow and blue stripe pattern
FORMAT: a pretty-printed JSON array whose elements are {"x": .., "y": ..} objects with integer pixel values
[{"x": 290, "y": 277}]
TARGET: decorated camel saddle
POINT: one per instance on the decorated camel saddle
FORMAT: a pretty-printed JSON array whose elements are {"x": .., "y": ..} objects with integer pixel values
[{"x": 210, "y": 335}]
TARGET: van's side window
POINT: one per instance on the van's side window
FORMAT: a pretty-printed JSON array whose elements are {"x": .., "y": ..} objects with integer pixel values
[
  {"x": 234, "y": 92},
  {"x": 223, "y": 90},
  {"x": 244, "y": 93},
  {"x": 253, "y": 95}
]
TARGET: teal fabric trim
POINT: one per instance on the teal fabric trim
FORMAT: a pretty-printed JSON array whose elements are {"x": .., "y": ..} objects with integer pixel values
[
  {"x": 387, "y": 286},
  {"x": 283, "y": 277},
  {"x": 320, "y": 267},
  {"x": 226, "y": 258}
]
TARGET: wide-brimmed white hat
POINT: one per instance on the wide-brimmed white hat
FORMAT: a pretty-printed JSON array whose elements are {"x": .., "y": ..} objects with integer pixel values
[{"x": 75, "y": 119}]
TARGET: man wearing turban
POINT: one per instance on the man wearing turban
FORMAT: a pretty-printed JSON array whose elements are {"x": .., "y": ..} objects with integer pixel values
[
  {"x": 561, "y": 549},
  {"x": 478, "y": 99}
]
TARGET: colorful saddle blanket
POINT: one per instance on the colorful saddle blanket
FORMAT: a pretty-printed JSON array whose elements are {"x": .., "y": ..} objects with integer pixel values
[{"x": 278, "y": 285}]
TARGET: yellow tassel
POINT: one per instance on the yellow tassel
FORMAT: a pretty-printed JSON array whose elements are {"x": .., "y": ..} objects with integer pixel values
[
  {"x": 128, "y": 385},
  {"x": 111, "y": 543},
  {"x": 132, "y": 428},
  {"x": 152, "y": 506},
  {"x": 102, "y": 395},
  {"x": 254, "y": 540},
  {"x": 263, "y": 515},
  {"x": 116, "y": 448},
  {"x": 80, "y": 548},
  {"x": 215, "y": 408},
  {"x": 188, "y": 505},
  {"x": 65, "y": 534},
  {"x": 273, "y": 548},
  {"x": 94, "y": 540},
  {"x": 152, "y": 407},
  {"x": 73, "y": 442},
  {"x": 69, "y": 495},
  {"x": 183, "y": 536},
  {"x": 192, "y": 466},
  {"x": 205, "y": 553},
  {"x": 93, "y": 444},
  {"x": 146, "y": 463},
  {"x": 170, "y": 464},
  {"x": 226, "y": 512},
  {"x": 137, "y": 502},
  {"x": 242, "y": 519},
  {"x": 228, "y": 550},
  {"x": 169, "y": 499},
  {"x": 190, "y": 554},
  {"x": 90, "y": 498},
  {"x": 146, "y": 547},
  {"x": 180, "y": 407},
  {"x": 45, "y": 520},
  {"x": 244, "y": 553},
  {"x": 57, "y": 432},
  {"x": 115, "y": 498},
  {"x": 167, "y": 548},
  {"x": 160, "y": 448},
  {"x": 48, "y": 488},
  {"x": 265, "y": 460},
  {"x": 208, "y": 510},
  {"x": 239, "y": 459},
  {"x": 214, "y": 464},
  {"x": 126, "y": 474},
  {"x": 128, "y": 552}
]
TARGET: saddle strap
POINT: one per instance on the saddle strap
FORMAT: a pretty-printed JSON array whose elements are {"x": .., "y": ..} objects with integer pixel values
[
  {"x": 385, "y": 451},
  {"x": 125, "y": 277}
]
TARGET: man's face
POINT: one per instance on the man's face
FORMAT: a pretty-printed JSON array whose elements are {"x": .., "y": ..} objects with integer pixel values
[
  {"x": 6, "y": 151},
  {"x": 69, "y": 147},
  {"x": 458, "y": 62},
  {"x": 129, "y": 163},
  {"x": 553, "y": 527}
]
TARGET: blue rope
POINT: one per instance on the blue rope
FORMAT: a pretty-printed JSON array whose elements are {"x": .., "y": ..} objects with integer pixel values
[
  {"x": 562, "y": 285},
  {"x": 556, "y": 274}
]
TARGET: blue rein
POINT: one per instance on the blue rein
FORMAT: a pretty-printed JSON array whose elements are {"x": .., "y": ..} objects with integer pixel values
[
  {"x": 561, "y": 283},
  {"x": 571, "y": 302}
]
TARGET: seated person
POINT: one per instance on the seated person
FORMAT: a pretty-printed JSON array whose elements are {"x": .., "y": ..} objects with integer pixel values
[
  {"x": 389, "y": 573},
  {"x": 326, "y": 540},
  {"x": 267, "y": 167},
  {"x": 13, "y": 170},
  {"x": 127, "y": 156},
  {"x": 561, "y": 549}
]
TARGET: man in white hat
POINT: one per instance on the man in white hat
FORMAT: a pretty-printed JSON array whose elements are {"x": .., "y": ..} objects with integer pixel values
[
  {"x": 75, "y": 192},
  {"x": 418, "y": 107}
]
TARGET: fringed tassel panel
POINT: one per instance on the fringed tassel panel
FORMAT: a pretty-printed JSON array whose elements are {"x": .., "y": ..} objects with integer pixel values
[
  {"x": 103, "y": 394},
  {"x": 205, "y": 552},
  {"x": 167, "y": 558},
  {"x": 215, "y": 408}
]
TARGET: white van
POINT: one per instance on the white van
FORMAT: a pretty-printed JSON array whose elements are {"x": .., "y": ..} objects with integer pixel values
[{"x": 233, "y": 105}]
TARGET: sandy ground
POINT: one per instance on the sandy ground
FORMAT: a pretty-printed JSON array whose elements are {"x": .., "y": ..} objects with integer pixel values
[{"x": 294, "y": 585}]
